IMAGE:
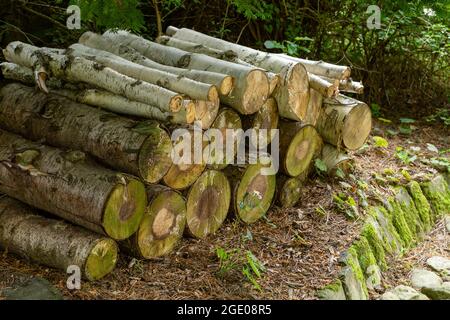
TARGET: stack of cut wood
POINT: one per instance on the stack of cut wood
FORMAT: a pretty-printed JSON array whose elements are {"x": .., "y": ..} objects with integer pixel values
[{"x": 92, "y": 144}]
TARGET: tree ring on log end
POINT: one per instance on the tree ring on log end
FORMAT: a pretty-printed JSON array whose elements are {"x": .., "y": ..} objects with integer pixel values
[
  {"x": 124, "y": 209},
  {"x": 254, "y": 194},
  {"x": 208, "y": 203},
  {"x": 101, "y": 260},
  {"x": 155, "y": 155},
  {"x": 357, "y": 127},
  {"x": 303, "y": 147},
  {"x": 163, "y": 225},
  {"x": 256, "y": 91}
]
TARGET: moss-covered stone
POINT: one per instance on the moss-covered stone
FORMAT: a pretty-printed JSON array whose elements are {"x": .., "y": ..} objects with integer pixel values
[
  {"x": 333, "y": 291},
  {"x": 381, "y": 221},
  {"x": 438, "y": 194},
  {"x": 422, "y": 205},
  {"x": 412, "y": 216},
  {"x": 368, "y": 263},
  {"x": 376, "y": 244},
  {"x": 401, "y": 225},
  {"x": 352, "y": 277}
]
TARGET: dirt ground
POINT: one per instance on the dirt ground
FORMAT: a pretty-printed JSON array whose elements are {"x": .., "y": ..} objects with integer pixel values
[{"x": 299, "y": 247}]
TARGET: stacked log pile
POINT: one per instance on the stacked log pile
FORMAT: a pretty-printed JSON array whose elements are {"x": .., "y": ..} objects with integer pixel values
[{"x": 85, "y": 135}]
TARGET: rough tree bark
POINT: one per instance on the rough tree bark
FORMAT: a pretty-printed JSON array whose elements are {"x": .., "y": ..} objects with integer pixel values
[
  {"x": 70, "y": 186},
  {"x": 335, "y": 159},
  {"x": 140, "y": 148},
  {"x": 163, "y": 224},
  {"x": 78, "y": 69},
  {"x": 54, "y": 243},
  {"x": 326, "y": 88},
  {"x": 208, "y": 202},
  {"x": 345, "y": 122}
]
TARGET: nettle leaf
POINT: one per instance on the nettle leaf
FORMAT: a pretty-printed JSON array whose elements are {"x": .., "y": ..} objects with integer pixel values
[{"x": 380, "y": 142}]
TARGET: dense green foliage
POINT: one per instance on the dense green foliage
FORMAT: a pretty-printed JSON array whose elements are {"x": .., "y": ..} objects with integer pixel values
[{"x": 404, "y": 64}]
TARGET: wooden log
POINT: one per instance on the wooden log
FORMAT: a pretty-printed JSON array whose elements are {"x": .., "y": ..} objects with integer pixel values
[
  {"x": 348, "y": 85},
  {"x": 104, "y": 99},
  {"x": 252, "y": 191},
  {"x": 139, "y": 148},
  {"x": 78, "y": 69},
  {"x": 345, "y": 122},
  {"x": 226, "y": 119},
  {"x": 314, "y": 107},
  {"x": 193, "y": 89},
  {"x": 208, "y": 202},
  {"x": 224, "y": 83},
  {"x": 326, "y": 88},
  {"x": 289, "y": 190},
  {"x": 292, "y": 94},
  {"x": 335, "y": 160},
  {"x": 265, "y": 119},
  {"x": 54, "y": 243},
  {"x": 299, "y": 144},
  {"x": 70, "y": 186},
  {"x": 163, "y": 224},
  {"x": 251, "y": 84},
  {"x": 321, "y": 68},
  {"x": 184, "y": 173}
]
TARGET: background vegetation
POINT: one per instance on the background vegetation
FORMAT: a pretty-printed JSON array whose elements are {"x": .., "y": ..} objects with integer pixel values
[{"x": 404, "y": 65}]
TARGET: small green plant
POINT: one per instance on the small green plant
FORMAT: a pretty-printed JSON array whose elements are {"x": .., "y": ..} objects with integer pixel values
[
  {"x": 380, "y": 142},
  {"x": 376, "y": 110},
  {"x": 405, "y": 156},
  {"x": 253, "y": 269},
  {"x": 442, "y": 115},
  {"x": 347, "y": 205},
  {"x": 406, "y": 126},
  {"x": 228, "y": 260},
  {"x": 292, "y": 48},
  {"x": 321, "y": 167}
]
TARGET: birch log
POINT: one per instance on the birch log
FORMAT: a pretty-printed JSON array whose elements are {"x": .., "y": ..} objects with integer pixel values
[
  {"x": 251, "y": 84},
  {"x": 335, "y": 160},
  {"x": 348, "y": 85},
  {"x": 54, "y": 243},
  {"x": 299, "y": 144},
  {"x": 163, "y": 224},
  {"x": 292, "y": 93},
  {"x": 326, "y": 88},
  {"x": 139, "y": 148},
  {"x": 252, "y": 191},
  {"x": 71, "y": 187},
  {"x": 224, "y": 83},
  {"x": 314, "y": 108},
  {"x": 78, "y": 69},
  {"x": 345, "y": 122},
  {"x": 104, "y": 99},
  {"x": 208, "y": 202}
]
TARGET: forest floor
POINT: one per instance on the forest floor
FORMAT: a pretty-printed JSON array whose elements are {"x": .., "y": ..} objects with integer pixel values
[{"x": 299, "y": 247}]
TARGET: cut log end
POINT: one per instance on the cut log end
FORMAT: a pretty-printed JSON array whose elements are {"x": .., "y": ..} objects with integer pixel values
[
  {"x": 208, "y": 203},
  {"x": 254, "y": 194},
  {"x": 162, "y": 226},
  {"x": 176, "y": 103},
  {"x": 124, "y": 209},
  {"x": 357, "y": 127},
  {"x": 256, "y": 93},
  {"x": 305, "y": 145},
  {"x": 267, "y": 119},
  {"x": 101, "y": 260},
  {"x": 226, "y": 85},
  {"x": 206, "y": 111},
  {"x": 289, "y": 191}
]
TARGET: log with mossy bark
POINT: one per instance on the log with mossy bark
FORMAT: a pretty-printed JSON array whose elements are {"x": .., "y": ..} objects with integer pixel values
[
  {"x": 71, "y": 186},
  {"x": 225, "y": 83},
  {"x": 162, "y": 226},
  {"x": 78, "y": 69},
  {"x": 54, "y": 243},
  {"x": 265, "y": 119},
  {"x": 208, "y": 202},
  {"x": 188, "y": 160},
  {"x": 251, "y": 84},
  {"x": 345, "y": 122},
  {"x": 299, "y": 144},
  {"x": 289, "y": 190},
  {"x": 104, "y": 99},
  {"x": 253, "y": 191},
  {"x": 292, "y": 93},
  {"x": 335, "y": 160},
  {"x": 140, "y": 148},
  {"x": 225, "y": 127}
]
